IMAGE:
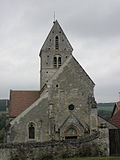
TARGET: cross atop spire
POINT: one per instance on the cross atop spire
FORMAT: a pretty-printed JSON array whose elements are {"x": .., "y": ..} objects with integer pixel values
[{"x": 54, "y": 17}]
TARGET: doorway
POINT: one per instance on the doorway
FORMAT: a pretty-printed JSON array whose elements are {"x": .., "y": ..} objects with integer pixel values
[{"x": 71, "y": 137}]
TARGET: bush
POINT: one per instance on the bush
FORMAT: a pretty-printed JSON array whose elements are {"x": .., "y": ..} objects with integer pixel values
[
  {"x": 2, "y": 120},
  {"x": 46, "y": 156},
  {"x": 2, "y": 135},
  {"x": 14, "y": 157},
  {"x": 2, "y": 126}
]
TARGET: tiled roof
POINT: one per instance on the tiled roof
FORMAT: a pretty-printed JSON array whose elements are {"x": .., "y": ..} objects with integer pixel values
[
  {"x": 115, "y": 119},
  {"x": 116, "y": 108},
  {"x": 118, "y": 105},
  {"x": 21, "y": 100}
]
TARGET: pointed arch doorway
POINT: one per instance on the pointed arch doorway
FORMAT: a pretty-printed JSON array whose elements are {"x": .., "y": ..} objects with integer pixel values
[{"x": 71, "y": 133}]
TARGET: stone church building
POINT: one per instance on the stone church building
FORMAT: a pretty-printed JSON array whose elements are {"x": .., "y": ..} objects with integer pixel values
[{"x": 64, "y": 108}]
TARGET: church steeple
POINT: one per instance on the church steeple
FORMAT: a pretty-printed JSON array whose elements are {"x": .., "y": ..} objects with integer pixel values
[
  {"x": 56, "y": 33},
  {"x": 55, "y": 50}
]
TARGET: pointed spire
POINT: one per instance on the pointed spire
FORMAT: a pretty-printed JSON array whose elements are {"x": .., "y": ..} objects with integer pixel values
[
  {"x": 57, "y": 31},
  {"x": 54, "y": 52}
]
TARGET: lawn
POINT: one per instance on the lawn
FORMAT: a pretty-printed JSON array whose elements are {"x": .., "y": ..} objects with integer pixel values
[{"x": 95, "y": 158}]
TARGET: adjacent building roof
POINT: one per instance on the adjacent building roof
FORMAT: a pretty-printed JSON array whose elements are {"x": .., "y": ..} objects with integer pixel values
[
  {"x": 115, "y": 118},
  {"x": 102, "y": 122},
  {"x": 21, "y": 100},
  {"x": 116, "y": 108},
  {"x": 118, "y": 105}
]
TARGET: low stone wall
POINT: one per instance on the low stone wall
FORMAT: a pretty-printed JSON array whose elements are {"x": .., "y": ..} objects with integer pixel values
[{"x": 88, "y": 146}]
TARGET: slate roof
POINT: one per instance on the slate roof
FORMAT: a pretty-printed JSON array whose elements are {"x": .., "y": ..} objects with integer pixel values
[
  {"x": 21, "y": 100},
  {"x": 115, "y": 119}
]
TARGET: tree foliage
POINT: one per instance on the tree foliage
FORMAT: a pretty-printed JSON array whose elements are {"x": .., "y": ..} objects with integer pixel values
[
  {"x": 2, "y": 120},
  {"x": 2, "y": 126}
]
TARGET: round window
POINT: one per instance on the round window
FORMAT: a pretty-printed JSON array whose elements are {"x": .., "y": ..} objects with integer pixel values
[{"x": 71, "y": 107}]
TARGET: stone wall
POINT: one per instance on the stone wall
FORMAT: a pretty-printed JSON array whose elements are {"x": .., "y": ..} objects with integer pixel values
[{"x": 89, "y": 146}]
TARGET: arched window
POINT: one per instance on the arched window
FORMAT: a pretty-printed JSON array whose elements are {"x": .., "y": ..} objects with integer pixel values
[
  {"x": 56, "y": 42},
  {"x": 57, "y": 61},
  {"x": 31, "y": 130}
]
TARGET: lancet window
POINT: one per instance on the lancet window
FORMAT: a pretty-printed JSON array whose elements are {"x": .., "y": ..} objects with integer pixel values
[
  {"x": 57, "y": 61},
  {"x": 31, "y": 130},
  {"x": 56, "y": 42}
]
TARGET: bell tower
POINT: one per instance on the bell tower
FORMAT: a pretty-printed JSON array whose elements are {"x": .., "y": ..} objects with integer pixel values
[{"x": 54, "y": 52}]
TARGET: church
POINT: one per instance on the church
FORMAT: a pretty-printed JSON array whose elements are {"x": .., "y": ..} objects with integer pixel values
[{"x": 64, "y": 107}]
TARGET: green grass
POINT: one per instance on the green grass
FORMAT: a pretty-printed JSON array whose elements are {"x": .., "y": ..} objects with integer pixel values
[{"x": 95, "y": 158}]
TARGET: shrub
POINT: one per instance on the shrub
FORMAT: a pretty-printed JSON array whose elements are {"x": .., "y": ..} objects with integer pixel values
[
  {"x": 46, "y": 156},
  {"x": 2, "y": 120},
  {"x": 2, "y": 135},
  {"x": 14, "y": 157}
]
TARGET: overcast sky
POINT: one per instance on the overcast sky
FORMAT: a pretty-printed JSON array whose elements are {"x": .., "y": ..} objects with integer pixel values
[{"x": 92, "y": 27}]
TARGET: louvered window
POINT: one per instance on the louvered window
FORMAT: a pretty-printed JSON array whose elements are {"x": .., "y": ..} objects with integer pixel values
[
  {"x": 57, "y": 61},
  {"x": 56, "y": 42}
]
